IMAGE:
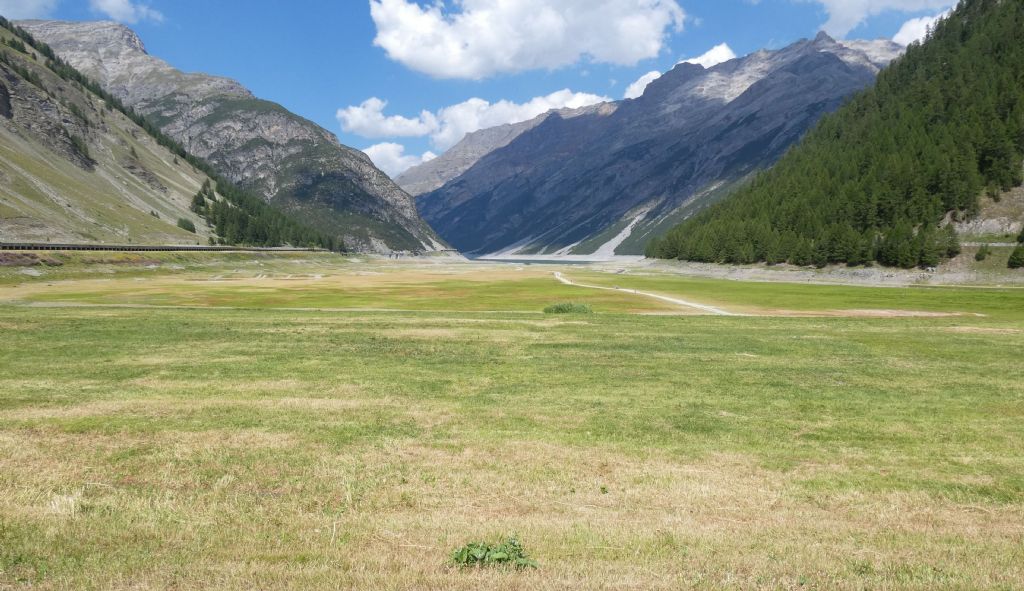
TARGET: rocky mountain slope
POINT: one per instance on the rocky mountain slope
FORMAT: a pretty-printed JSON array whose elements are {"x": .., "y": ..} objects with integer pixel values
[
  {"x": 609, "y": 180},
  {"x": 296, "y": 165},
  {"x": 74, "y": 170},
  {"x": 432, "y": 175}
]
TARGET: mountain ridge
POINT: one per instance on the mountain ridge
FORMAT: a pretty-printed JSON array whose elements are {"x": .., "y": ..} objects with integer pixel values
[
  {"x": 77, "y": 166},
  {"x": 693, "y": 135},
  {"x": 296, "y": 165},
  {"x": 433, "y": 174},
  {"x": 888, "y": 177}
]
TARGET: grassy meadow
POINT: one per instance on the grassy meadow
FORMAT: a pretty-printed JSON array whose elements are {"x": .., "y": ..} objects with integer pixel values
[{"x": 311, "y": 422}]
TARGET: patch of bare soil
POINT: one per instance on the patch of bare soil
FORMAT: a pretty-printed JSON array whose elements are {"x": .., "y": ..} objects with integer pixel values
[
  {"x": 26, "y": 259},
  {"x": 859, "y": 314},
  {"x": 982, "y": 330}
]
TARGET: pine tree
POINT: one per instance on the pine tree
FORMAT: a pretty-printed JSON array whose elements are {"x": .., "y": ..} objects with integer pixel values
[
  {"x": 198, "y": 203},
  {"x": 951, "y": 241},
  {"x": 1017, "y": 258}
]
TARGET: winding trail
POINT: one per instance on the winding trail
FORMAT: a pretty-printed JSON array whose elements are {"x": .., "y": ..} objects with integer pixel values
[{"x": 678, "y": 302}]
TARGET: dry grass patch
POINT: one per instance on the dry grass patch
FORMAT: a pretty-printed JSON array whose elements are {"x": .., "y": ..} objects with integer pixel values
[
  {"x": 982, "y": 330},
  {"x": 387, "y": 517}
]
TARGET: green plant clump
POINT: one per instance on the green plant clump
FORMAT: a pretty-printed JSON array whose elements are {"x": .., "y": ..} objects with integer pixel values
[
  {"x": 186, "y": 225},
  {"x": 509, "y": 552},
  {"x": 81, "y": 146},
  {"x": 1017, "y": 258},
  {"x": 983, "y": 253},
  {"x": 568, "y": 308}
]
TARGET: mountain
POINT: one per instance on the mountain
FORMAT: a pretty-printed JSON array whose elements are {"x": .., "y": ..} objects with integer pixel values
[
  {"x": 608, "y": 180},
  {"x": 433, "y": 175},
  {"x": 939, "y": 136},
  {"x": 75, "y": 166},
  {"x": 294, "y": 164}
]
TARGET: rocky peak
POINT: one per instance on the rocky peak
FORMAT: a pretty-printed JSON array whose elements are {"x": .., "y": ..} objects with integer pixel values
[
  {"x": 459, "y": 158},
  {"x": 565, "y": 184},
  {"x": 292, "y": 162},
  {"x": 115, "y": 56},
  {"x": 110, "y": 34}
]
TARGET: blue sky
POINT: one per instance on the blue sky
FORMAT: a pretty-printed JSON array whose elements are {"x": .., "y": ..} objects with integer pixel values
[{"x": 318, "y": 57}]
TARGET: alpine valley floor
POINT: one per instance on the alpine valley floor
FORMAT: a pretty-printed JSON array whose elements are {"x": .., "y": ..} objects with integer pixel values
[{"x": 306, "y": 421}]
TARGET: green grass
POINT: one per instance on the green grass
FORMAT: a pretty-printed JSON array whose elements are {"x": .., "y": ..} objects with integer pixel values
[
  {"x": 271, "y": 448},
  {"x": 1002, "y": 303}
]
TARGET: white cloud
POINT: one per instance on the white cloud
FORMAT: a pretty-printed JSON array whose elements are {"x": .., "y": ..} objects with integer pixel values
[
  {"x": 637, "y": 88},
  {"x": 478, "y": 38},
  {"x": 711, "y": 58},
  {"x": 126, "y": 11},
  {"x": 16, "y": 9},
  {"x": 368, "y": 120},
  {"x": 449, "y": 125},
  {"x": 392, "y": 159},
  {"x": 916, "y": 29},
  {"x": 714, "y": 56},
  {"x": 469, "y": 116},
  {"x": 846, "y": 15}
]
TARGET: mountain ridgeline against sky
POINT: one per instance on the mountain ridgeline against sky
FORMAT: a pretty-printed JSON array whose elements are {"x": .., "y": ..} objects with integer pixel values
[
  {"x": 607, "y": 180},
  {"x": 77, "y": 166},
  {"x": 941, "y": 129},
  {"x": 297, "y": 166},
  {"x": 433, "y": 174}
]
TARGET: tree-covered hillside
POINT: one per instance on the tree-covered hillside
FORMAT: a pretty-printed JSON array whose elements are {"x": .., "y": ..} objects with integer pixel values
[{"x": 877, "y": 180}]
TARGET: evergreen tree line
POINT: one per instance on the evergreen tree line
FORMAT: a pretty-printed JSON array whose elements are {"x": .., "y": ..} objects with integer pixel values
[
  {"x": 26, "y": 74},
  {"x": 235, "y": 225},
  {"x": 878, "y": 179},
  {"x": 245, "y": 219}
]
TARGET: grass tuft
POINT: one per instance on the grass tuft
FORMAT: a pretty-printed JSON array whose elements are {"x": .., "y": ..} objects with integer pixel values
[{"x": 569, "y": 308}]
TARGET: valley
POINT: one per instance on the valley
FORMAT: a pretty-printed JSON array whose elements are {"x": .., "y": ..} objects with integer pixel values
[
  {"x": 511, "y": 294},
  {"x": 387, "y": 411}
]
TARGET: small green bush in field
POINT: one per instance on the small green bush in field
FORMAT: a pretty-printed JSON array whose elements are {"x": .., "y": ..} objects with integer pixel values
[
  {"x": 1017, "y": 258},
  {"x": 568, "y": 308},
  {"x": 186, "y": 225},
  {"x": 509, "y": 552}
]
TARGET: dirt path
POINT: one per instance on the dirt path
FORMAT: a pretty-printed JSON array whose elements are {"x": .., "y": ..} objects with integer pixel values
[{"x": 678, "y": 302}]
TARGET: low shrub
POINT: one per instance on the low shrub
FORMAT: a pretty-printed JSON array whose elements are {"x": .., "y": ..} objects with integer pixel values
[
  {"x": 568, "y": 308},
  {"x": 186, "y": 225},
  {"x": 1017, "y": 258},
  {"x": 508, "y": 552}
]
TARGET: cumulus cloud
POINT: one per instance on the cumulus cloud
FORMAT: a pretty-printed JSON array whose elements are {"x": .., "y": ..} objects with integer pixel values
[
  {"x": 15, "y": 9},
  {"x": 126, "y": 11},
  {"x": 714, "y": 56},
  {"x": 449, "y": 125},
  {"x": 469, "y": 116},
  {"x": 846, "y": 15},
  {"x": 475, "y": 39},
  {"x": 392, "y": 159},
  {"x": 368, "y": 120},
  {"x": 711, "y": 58},
  {"x": 916, "y": 29}
]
